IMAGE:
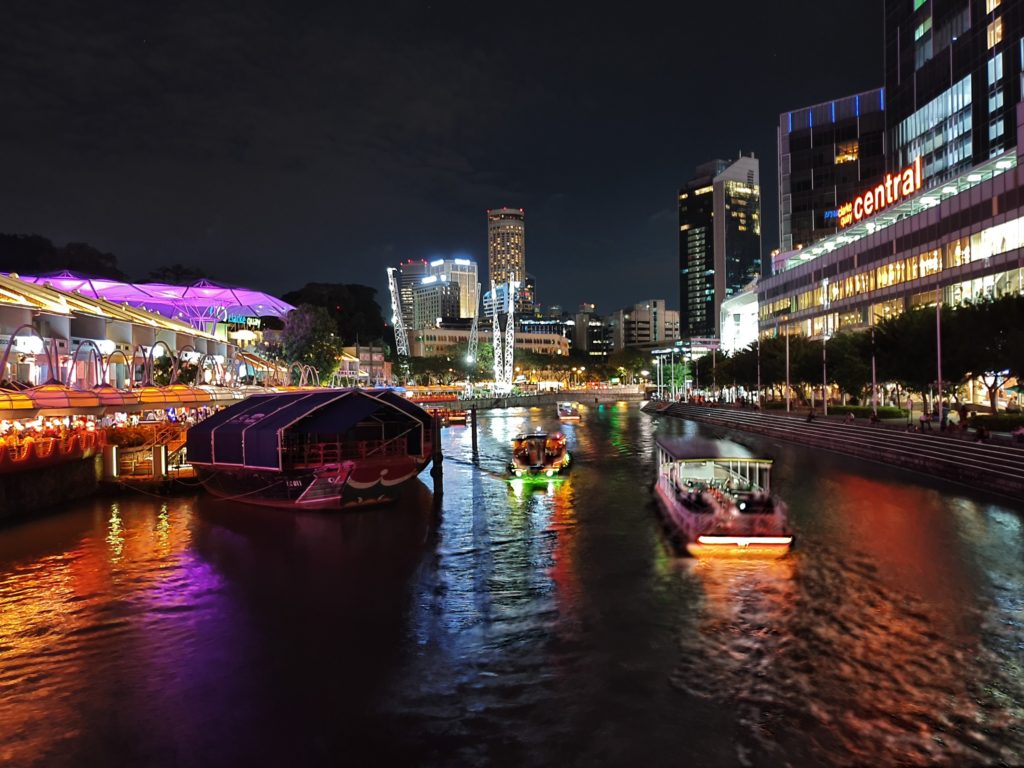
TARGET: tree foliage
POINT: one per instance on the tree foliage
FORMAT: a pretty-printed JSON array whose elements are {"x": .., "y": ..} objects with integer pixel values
[
  {"x": 352, "y": 308},
  {"x": 35, "y": 255},
  {"x": 309, "y": 338}
]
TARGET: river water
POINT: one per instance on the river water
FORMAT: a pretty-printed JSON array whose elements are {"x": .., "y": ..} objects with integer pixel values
[{"x": 519, "y": 626}]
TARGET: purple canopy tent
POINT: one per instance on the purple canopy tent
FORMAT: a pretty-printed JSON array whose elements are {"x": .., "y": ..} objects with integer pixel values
[{"x": 200, "y": 304}]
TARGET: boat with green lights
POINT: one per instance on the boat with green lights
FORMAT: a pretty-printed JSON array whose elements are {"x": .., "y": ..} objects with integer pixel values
[{"x": 540, "y": 455}]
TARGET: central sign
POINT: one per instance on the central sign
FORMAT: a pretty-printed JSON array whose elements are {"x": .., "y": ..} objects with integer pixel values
[{"x": 892, "y": 190}]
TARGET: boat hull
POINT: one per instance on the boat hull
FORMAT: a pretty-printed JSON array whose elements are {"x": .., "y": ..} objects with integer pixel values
[
  {"x": 702, "y": 536},
  {"x": 365, "y": 485}
]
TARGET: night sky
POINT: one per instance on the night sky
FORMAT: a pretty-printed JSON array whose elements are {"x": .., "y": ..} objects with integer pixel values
[{"x": 277, "y": 143}]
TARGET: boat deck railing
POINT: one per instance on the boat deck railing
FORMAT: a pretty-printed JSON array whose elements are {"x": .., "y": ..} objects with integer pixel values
[{"x": 317, "y": 454}]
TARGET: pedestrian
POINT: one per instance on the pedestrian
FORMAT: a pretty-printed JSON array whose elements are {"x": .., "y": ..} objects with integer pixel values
[
  {"x": 849, "y": 417},
  {"x": 926, "y": 421},
  {"x": 910, "y": 410},
  {"x": 810, "y": 415}
]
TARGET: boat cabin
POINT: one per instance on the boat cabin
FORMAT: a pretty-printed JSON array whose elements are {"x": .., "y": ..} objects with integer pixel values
[{"x": 285, "y": 431}]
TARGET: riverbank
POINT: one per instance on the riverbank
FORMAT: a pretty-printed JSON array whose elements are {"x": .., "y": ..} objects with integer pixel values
[
  {"x": 995, "y": 467},
  {"x": 598, "y": 395}
]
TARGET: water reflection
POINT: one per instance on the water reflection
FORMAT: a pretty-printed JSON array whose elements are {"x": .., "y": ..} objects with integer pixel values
[{"x": 525, "y": 623}]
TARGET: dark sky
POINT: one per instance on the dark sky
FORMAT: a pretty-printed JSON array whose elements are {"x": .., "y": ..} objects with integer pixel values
[{"x": 276, "y": 143}]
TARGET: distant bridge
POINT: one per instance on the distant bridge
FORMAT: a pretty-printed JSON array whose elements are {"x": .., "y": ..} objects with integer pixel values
[{"x": 594, "y": 395}]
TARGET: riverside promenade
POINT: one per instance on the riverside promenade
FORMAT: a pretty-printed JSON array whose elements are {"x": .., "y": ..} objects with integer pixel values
[
  {"x": 992, "y": 466},
  {"x": 593, "y": 395}
]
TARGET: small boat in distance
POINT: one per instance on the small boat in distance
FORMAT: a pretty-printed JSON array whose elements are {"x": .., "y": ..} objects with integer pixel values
[
  {"x": 721, "y": 505},
  {"x": 540, "y": 455},
  {"x": 314, "y": 449},
  {"x": 568, "y": 411}
]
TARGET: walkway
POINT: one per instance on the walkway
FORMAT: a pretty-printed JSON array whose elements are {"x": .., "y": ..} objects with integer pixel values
[{"x": 992, "y": 467}]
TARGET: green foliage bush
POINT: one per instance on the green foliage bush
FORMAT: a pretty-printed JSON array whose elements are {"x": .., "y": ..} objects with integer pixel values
[
  {"x": 884, "y": 411},
  {"x": 127, "y": 437},
  {"x": 1002, "y": 422}
]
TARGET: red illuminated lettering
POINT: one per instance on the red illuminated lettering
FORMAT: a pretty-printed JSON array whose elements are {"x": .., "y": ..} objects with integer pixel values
[{"x": 895, "y": 187}]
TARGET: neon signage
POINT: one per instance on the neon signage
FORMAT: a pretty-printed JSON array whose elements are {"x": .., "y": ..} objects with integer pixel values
[{"x": 895, "y": 187}]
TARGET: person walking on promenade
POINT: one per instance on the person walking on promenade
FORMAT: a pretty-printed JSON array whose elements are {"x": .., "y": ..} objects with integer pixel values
[
  {"x": 926, "y": 421},
  {"x": 910, "y": 411}
]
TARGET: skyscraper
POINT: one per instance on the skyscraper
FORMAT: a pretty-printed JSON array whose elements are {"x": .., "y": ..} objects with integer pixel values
[
  {"x": 952, "y": 82},
  {"x": 410, "y": 274},
  {"x": 719, "y": 240},
  {"x": 463, "y": 273},
  {"x": 506, "y": 245},
  {"x": 828, "y": 154}
]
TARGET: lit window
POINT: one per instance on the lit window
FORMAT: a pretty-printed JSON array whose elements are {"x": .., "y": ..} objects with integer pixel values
[
  {"x": 990, "y": 5},
  {"x": 919, "y": 3},
  {"x": 995, "y": 32},
  {"x": 923, "y": 28},
  {"x": 847, "y": 152}
]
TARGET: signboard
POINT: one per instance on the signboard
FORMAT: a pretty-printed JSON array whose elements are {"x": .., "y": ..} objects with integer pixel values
[{"x": 895, "y": 188}]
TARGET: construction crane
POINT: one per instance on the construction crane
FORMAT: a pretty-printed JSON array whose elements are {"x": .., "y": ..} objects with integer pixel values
[
  {"x": 401, "y": 340},
  {"x": 474, "y": 332},
  {"x": 510, "y": 334},
  {"x": 499, "y": 367}
]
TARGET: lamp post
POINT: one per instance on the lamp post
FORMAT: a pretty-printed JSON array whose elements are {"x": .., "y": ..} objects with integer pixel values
[
  {"x": 938, "y": 343},
  {"x": 787, "y": 369},
  {"x": 874, "y": 378},
  {"x": 759, "y": 368},
  {"x": 824, "y": 375}
]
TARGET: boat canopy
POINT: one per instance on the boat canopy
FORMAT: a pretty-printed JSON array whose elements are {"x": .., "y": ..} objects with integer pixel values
[{"x": 252, "y": 433}]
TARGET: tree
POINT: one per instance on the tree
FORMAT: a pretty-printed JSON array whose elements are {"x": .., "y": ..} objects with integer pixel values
[
  {"x": 35, "y": 255},
  {"x": 177, "y": 274},
  {"x": 353, "y": 309},
  {"x": 309, "y": 337}
]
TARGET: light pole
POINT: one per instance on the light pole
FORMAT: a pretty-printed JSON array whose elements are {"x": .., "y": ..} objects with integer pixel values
[
  {"x": 938, "y": 343},
  {"x": 874, "y": 378},
  {"x": 759, "y": 368},
  {"x": 787, "y": 368},
  {"x": 824, "y": 375}
]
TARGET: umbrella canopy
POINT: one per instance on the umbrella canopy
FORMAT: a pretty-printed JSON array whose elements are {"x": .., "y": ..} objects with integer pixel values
[{"x": 59, "y": 400}]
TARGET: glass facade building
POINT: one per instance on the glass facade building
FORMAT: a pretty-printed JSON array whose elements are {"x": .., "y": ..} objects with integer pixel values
[
  {"x": 719, "y": 240},
  {"x": 960, "y": 241},
  {"x": 952, "y": 82},
  {"x": 506, "y": 249},
  {"x": 828, "y": 153}
]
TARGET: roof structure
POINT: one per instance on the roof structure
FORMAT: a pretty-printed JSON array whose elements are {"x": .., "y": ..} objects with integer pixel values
[
  {"x": 50, "y": 299},
  {"x": 250, "y": 434},
  {"x": 200, "y": 304}
]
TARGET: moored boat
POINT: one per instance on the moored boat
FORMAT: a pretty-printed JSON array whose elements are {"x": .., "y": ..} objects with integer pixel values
[
  {"x": 539, "y": 454},
  {"x": 322, "y": 449},
  {"x": 721, "y": 505},
  {"x": 568, "y": 411}
]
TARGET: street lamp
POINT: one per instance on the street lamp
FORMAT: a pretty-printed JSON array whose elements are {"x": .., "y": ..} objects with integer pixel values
[
  {"x": 824, "y": 375},
  {"x": 874, "y": 378}
]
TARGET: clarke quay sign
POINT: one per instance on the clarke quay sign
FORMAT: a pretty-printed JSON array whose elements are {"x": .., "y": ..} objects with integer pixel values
[{"x": 895, "y": 187}]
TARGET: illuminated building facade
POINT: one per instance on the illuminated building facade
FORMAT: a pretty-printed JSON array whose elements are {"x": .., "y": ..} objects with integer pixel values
[
  {"x": 463, "y": 273},
  {"x": 952, "y": 81},
  {"x": 719, "y": 240},
  {"x": 646, "y": 323},
  {"x": 958, "y": 241},
  {"x": 506, "y": 247},
  {"x": 828, "y": 154},
  {"x": 435, "y": 300},
  {"x": 433, "y": 342},
  {"x": 410, "y": 274}
]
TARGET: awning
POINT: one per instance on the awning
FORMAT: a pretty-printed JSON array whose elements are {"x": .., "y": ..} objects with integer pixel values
[{"x": 59, "y": 400}]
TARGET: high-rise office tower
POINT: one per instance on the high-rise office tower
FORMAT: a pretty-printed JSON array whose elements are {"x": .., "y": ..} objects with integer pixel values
[
  {"x": 828, "y": 154},
  {"x": 435, "y": 301},
  {"x": 462, "y": 272},
  {"x": 506, "y": 246},
  {"x": 952, "y": 82},
  {"x": 410, "y": 274},
  {"x": 719, "y": 240}
]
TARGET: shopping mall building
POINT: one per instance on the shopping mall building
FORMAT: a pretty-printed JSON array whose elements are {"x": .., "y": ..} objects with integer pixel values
[{"x": 906, "y": 243}]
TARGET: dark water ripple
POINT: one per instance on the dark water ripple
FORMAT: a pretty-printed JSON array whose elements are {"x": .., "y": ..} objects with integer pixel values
[{"x": 520, "y": 625}]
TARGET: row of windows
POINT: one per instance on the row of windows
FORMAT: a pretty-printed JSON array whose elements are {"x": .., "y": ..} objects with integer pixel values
[{"x": 982, "y": 245}]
